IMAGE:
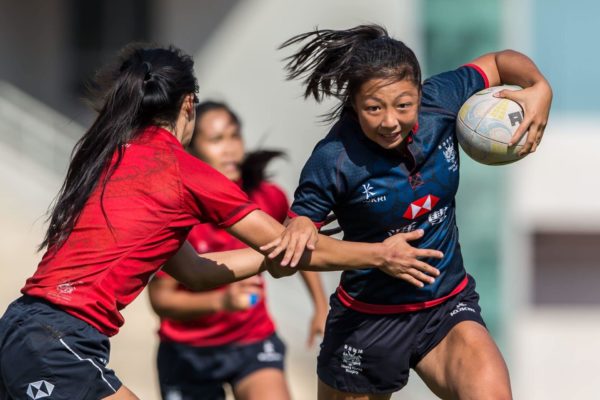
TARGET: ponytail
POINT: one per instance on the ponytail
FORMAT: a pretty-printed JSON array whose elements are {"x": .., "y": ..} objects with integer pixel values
[{"x": 146, "y": 86}]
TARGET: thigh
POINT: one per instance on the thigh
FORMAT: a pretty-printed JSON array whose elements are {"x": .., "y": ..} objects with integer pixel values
[
  {"x": 326, "y": 392},
  {"x": 466, "y": 365},
  {"x": 263, "y": 384},
  {"x": 122, "y": 394},
  {"x": 188, "y": 373}
]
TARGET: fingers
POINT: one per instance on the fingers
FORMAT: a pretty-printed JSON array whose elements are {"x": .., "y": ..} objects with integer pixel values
[
  {"x": 282, "y": 244},
  {"x": 414, "y": 235},
  {"x": 410, "y": 279},
  {"x": 520, "y": 132},
  {"x": 271, "y": 244}
]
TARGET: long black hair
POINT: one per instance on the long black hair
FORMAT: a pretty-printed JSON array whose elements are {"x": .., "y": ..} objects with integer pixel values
[
  {"x": 145, "y": 86},
  {"x": 337, "y": 62},
  {"x": 253, "y": 167}
]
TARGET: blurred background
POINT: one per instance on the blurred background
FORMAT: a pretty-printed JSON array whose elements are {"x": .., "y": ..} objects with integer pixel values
[{"x": 530, "y": 232}]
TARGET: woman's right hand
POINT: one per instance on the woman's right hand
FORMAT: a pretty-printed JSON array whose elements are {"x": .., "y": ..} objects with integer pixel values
[
  {"x": 242, "y": 295},
  {"x": 404, "y": 261}
]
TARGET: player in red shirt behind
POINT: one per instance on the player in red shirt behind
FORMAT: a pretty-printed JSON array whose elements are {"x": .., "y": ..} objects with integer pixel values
[
  {"x": 131, "y": 195},
  {"x": 226, "y": 335}
]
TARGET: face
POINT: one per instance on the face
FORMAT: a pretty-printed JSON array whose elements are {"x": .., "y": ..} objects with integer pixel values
[
  {"x": 219, "y": 143},
  {"x": 386, "y": 111}
]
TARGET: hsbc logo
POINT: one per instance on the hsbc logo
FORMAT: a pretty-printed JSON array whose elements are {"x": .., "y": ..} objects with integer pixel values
[
  {"x": 421, "y": 206},
  {"x": 39, "y": 389}
]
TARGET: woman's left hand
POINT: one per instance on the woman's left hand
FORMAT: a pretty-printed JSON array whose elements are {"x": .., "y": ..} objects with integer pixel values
[
  {"x": 300, "y": 234},
  {"x": 535, "y": 101},
  {"x": 317, "y": 326}
]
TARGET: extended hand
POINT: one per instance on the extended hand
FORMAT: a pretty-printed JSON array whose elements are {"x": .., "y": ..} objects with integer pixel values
[
  {"x": 404, "y": 261},
  {"x": 300, "y": 234}
]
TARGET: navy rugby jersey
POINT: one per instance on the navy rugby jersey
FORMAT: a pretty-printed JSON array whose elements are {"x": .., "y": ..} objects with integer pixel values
[{"x": 376, "y": 193}]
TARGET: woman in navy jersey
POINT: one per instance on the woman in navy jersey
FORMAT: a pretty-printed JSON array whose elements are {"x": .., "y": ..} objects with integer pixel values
[
  {"x": 226, "y": 335},
  {"x": 389, "y": 166},
  {"x": 130, "y": 197}
]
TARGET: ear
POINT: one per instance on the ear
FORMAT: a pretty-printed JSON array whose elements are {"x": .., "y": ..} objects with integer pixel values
[{"x": 189, "y": 106}]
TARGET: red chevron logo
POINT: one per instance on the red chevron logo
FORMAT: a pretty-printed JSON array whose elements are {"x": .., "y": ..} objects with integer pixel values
[{"x": 421, "y": 206}]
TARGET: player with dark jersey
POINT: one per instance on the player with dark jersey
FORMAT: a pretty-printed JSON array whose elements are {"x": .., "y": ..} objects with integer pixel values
[
  {"x": 226, "y": 336},
  {"x": 389, "y": 166},
  {"x": 130, "y": 197}
]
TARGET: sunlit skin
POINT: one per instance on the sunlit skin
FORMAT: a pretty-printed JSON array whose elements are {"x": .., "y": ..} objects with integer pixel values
[
  {"x": 387, "y": 111},
  {"x": 218, "y": 142}
]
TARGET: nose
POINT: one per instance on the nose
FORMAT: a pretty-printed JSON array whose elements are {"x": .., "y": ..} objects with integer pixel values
[{"x": 389, "y": 121}]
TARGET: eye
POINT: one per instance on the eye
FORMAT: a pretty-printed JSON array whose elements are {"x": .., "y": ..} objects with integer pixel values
[
  {"x": 404, "y": 106},
  {"x": 372, "y": 109}
]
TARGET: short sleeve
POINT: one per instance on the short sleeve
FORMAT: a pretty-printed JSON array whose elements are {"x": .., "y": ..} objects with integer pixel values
[
  {"x": 210, "y": 195},
  {"x": 272, "y": 200},
  {"x": 318, "y": 187},
  {"x": 449, "y": 90}
]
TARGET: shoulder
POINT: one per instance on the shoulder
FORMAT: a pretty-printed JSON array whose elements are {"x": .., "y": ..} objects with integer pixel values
[
  {"x": 328, "y": 151},
  {"x": 452, "y": 88}
]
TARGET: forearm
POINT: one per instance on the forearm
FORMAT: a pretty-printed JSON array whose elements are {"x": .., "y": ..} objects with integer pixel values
[
  {"x": 210, "y": 270},
  {"x": 338, "y": 255},
  {"x": 182, "y": 306}
]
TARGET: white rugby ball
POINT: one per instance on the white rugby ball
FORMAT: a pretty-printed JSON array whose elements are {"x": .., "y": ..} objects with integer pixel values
[{"x": 485, "y": 124}]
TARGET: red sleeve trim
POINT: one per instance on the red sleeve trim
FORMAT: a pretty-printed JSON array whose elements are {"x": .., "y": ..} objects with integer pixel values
[
  {"x": 367, "y": 308},
  {"x": 483, "y": 75},
  {"x": 238, "y": 214},
  {"x": 292, "y": 214}
]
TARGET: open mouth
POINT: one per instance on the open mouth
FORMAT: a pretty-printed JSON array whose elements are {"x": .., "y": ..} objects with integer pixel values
[{"x": 391, "y": 137}]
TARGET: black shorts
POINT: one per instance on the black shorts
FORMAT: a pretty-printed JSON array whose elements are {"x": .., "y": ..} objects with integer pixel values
[
  {"x": 189, "y": 372},
  {"x": 45, "y": 351},
  {"x": 365, "y": 353}
]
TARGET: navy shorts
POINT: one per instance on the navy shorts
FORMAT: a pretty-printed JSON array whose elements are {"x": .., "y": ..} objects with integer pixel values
[
  {"x": 189, "y": 372},
  {"x": 47, "y": 353},
  {"x": 366, "y": 353}
]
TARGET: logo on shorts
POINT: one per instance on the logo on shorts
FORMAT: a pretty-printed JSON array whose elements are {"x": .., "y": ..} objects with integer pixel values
[
  {"x": 461, "y": 307},
  {"x": 173, "y": 394},
  {"x": 39, "y": 389},
  {"x": 269, "y": 354},
  {"x": 352, "y": 360}
]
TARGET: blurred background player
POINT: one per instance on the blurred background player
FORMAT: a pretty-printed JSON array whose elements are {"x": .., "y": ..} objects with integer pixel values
[
  {"x": 389, "y": 166},
  {"x": 226, "y": 335}
]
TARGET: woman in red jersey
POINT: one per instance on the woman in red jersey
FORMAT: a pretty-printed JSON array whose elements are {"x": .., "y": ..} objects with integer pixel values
[
  {"x": 226, "y": 335},
  {"x": 130, "y": 197}
]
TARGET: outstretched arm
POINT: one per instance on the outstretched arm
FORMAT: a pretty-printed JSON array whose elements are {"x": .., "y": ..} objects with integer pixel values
[
  {"x": 394, "y": 256},
  {"x": 513, "y": 68}
]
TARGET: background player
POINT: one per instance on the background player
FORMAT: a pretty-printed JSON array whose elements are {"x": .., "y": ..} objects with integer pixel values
[
  {"x": 222, "y": 336},
  {"x": 389, "y": 165}
]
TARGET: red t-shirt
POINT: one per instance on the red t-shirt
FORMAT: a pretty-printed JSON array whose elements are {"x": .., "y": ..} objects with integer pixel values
[
  {"x": 152, "y": 200},
  {"x": 220, "y": 328}
]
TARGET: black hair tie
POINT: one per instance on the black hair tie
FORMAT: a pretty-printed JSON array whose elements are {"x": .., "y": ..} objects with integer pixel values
[{"x": 147, "y": 71}]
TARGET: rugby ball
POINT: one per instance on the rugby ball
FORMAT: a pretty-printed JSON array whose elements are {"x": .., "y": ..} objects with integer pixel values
[{"x": 485, "y": 124}]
